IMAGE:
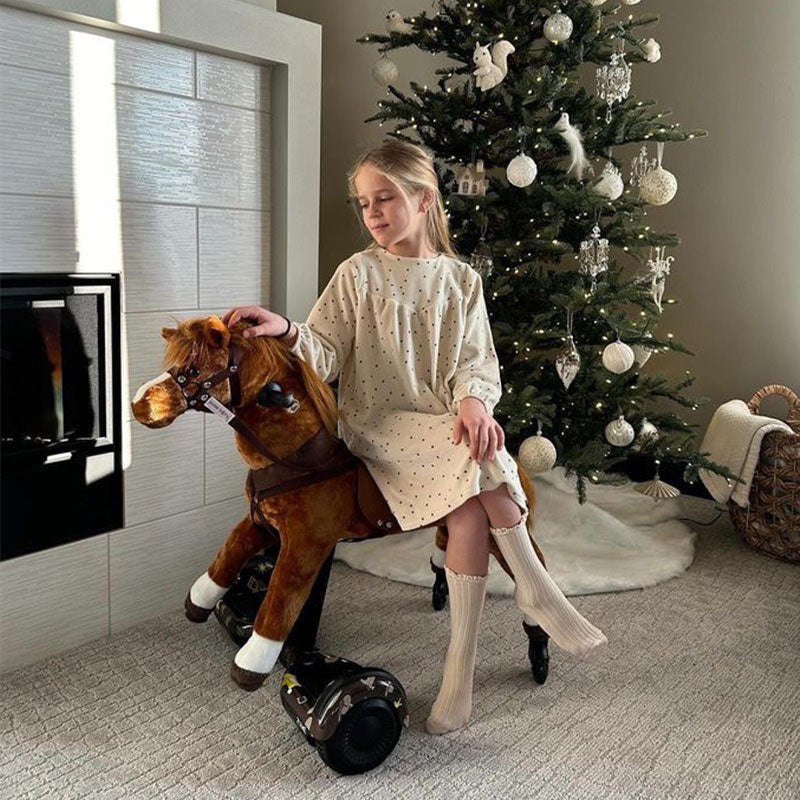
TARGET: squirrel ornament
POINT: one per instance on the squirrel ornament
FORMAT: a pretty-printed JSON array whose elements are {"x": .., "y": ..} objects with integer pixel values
[{"x": 491, "y": 68}]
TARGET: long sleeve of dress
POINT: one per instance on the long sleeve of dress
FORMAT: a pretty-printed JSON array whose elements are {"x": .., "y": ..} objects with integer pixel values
[
  {"x": 478, "y": 371},
  {"x": 325, "y": 339}
]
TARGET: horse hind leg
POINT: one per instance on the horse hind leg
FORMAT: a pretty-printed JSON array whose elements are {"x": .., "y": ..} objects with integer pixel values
[
  {"x": 296, "y": 569},
  {"x": 243, "y": 541}
]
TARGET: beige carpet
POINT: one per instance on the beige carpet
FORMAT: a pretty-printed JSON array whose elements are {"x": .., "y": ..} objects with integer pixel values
[{"x": 696, "y": 696}]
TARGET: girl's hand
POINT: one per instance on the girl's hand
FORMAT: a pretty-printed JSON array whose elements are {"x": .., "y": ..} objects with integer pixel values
[
  {"x": 265, "y": 322},
  {"x": 486, "y": 437}
]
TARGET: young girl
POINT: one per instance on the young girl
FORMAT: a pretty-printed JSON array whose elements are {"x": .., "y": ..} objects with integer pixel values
[{"x": 404, "y": 325}]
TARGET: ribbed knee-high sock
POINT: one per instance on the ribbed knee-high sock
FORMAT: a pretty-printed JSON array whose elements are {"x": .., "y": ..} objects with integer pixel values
[
  {"x": 537, "y": 595},
  {"x": 453, "y": 705}
]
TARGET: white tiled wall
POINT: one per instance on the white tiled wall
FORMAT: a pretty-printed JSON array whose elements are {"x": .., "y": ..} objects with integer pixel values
[{"x": 192, "y": 138}]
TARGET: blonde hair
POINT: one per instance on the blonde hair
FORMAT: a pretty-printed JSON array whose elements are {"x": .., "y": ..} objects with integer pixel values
[{"x": 411, "y": 168}]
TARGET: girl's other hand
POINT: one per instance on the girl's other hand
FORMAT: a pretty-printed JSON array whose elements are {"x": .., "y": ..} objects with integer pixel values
[
  {"x": 486, "y": 437},
  {"x": 265, "y": 322}
]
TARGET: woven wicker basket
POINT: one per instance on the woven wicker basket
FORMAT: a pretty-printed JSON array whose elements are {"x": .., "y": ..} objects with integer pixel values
[{"x": 771, "y": 523}]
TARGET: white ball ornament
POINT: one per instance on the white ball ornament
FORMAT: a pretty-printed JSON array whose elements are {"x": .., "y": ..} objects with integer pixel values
[
  {"x": 618, "y": 357},
  {"x": 658, "y": 187},
  {"x": 521, "y": 170},
  {"x": 619, "y": 432},
  {"x": 610, "y": 184},
  {"x": 558, "y": 28},
  {"x": 631, "y": 2},
  {"x": 537, "y": 454},
  {"x": 384, "y": 71},
  {"x": 648, "y": 430},
  {"x": 596, "y": 2}
]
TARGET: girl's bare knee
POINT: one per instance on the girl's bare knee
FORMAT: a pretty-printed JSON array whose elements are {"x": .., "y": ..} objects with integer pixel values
[{"x": 472, "y": 510}]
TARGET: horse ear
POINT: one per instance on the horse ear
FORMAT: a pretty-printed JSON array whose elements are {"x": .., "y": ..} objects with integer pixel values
[
  {"x": 216, "y": 332},
  {"x": 168, "y": 333}
]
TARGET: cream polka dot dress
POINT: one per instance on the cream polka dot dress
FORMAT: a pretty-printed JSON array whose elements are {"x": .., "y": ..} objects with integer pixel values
[{"x": 409, "y": 338}]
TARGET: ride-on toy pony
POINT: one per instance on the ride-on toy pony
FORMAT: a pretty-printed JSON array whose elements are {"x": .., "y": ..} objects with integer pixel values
[{"x": 304, "y": 486}]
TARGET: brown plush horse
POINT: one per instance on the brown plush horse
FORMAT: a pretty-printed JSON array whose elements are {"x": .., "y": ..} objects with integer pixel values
[{"x": 209, "y": 366}]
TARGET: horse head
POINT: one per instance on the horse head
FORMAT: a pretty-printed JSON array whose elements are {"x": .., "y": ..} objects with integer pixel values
[{"x": 207, "y": 362}]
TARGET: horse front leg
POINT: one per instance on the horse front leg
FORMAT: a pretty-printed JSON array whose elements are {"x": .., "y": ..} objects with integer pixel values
[
  {"x": 296, "y": 568},
  {"x": 243, "y": 541}
]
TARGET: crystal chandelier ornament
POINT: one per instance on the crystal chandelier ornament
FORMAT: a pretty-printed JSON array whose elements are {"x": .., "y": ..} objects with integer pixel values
[
  {"x": 593, "y": 256},
  {"x": 614, "y": 80},
  {"x": 568, "y": 361},
  {"x": 641, "y": 165},
  {"x": 482, "y": 260}
]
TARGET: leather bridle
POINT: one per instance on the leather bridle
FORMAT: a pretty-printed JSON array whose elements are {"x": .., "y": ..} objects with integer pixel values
[{"x": 199, "y": 398}]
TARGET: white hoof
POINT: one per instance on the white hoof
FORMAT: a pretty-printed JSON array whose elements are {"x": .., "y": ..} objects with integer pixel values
[
  {"x": 259, "y": 654},
  {"x": 205, "y": 593}
]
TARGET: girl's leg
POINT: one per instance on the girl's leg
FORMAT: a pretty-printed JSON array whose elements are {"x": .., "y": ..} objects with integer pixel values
[
  {"x": 466, "y": 567},
  {"x": 537, "y": 595}
]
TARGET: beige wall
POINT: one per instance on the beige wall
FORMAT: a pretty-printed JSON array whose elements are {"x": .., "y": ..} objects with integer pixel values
[{"x": 725, "y": 69}]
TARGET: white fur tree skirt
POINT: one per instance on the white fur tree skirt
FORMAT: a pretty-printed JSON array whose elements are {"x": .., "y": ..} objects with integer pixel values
[{"x": 619, "y": 539}]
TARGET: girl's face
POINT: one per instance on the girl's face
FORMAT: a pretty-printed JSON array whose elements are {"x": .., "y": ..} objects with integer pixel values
[{"x": 390, "y": 216}]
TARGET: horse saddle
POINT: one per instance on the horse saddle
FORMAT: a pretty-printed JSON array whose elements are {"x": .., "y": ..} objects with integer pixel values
[{"x": 323, "y": 457}]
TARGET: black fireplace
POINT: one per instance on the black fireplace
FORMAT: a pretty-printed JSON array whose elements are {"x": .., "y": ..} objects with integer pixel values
[{"x": 60, "y": 410}]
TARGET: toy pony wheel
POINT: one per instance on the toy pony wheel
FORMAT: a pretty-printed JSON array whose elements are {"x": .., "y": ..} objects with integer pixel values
[{"x": 363, "y": 739}]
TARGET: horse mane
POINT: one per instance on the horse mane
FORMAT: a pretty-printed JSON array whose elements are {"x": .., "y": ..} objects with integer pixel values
[{"x": 190, "y": 346}]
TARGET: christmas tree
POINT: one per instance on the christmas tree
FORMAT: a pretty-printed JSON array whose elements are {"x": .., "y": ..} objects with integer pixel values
[{"x": 573, "y": 276}]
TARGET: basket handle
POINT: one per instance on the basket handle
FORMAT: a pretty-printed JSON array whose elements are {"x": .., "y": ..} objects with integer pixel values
[{"x": 793, "y": 419}]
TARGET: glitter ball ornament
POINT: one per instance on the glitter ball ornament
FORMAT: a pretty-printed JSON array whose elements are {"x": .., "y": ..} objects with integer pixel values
[
  {"x": 384, "y": 71},
  {"x": 558, "y": 28},
  {"x": 618, "y": 357},
  {"x": 568, "y": 362},
  {"x": 641, "y": 352},
  {"x": 537, "y": 454},
  {"x": 658, "y": 186},
  {"x": 521, "y": 170},
  {"x": 619, "y": 432},
  {"x": 610, "y": 184}
]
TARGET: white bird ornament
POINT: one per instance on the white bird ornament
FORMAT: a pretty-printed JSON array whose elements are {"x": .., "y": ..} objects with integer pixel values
[{"x": 395, "y": 22}]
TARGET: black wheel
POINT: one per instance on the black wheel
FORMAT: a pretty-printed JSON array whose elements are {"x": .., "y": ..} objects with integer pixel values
[
  {"x": 537, "y": 652},
  {"x": 440, "y": 590},
  {"x": 363, "y": 739}
]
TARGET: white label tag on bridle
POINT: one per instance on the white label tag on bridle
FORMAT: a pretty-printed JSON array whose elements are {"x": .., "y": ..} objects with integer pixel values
[{"x": 214, "y": 405}]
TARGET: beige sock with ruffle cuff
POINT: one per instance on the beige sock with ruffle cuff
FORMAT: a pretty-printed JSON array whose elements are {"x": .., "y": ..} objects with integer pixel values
[{"x": 453, "y": 705}]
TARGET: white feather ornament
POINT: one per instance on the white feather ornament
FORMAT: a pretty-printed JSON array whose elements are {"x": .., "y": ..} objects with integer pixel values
[{"x": 572, "y": 136}]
